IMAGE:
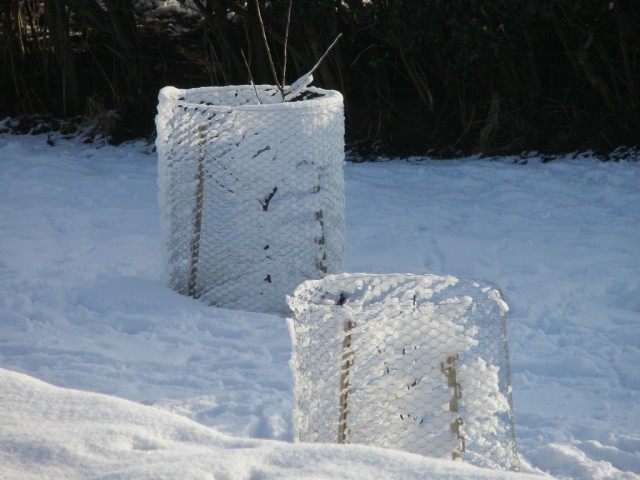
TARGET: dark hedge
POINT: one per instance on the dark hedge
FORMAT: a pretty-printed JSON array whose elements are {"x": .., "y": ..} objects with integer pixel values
[{"x": 445, "y": 76}]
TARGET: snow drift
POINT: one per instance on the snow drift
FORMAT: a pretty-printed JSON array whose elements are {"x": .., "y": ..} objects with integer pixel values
[{"x": 50, "y": 432}]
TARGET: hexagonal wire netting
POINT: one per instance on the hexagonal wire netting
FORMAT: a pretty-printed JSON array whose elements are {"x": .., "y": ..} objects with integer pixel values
[
  {"x": 252, "y": 194},
  {"x": 413, "y": 362}
]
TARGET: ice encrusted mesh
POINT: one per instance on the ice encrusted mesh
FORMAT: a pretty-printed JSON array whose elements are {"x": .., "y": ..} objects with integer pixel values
[
  {"x": 413, "y": 362},
  {"x": 252, "y": 194}
]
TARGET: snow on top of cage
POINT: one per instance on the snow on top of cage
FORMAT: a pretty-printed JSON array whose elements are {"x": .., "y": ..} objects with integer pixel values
[{"x": 249, "y": 97}]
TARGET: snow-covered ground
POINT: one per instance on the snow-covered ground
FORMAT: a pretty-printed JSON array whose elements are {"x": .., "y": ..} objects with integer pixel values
[
  {"x": 54, "y": 433},
  {"x": 83, "y": 306}
]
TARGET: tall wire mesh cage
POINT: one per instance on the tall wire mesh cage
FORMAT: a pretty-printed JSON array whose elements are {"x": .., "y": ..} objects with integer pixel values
[
  {"x": 412, "y": 362},
  {"x": 251, "y": 192}
]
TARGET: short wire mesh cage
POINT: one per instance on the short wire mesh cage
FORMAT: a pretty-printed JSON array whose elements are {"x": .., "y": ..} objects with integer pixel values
[
  {"x": 413, "y": 362},
  {"x": 251, "y": 191}
]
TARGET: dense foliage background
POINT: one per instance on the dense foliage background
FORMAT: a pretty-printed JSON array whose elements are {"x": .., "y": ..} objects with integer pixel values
[{"x": 443, "y": 75}]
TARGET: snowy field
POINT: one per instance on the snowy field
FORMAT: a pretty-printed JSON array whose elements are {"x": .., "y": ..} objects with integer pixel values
[{"x": 83, "y": 306}]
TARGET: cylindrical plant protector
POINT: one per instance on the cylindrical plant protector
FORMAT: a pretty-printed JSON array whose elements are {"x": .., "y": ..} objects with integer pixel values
[
  {"x": 251, "y": 192},
  {"x": 413, "y": 362}
]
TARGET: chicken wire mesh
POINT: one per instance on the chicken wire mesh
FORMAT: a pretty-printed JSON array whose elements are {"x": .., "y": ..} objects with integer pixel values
[
  {"x": 413, "y": 362},
  {"x": 252, "y": 194}
]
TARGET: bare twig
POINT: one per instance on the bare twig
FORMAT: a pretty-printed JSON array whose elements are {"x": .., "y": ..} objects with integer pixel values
[
  {"x": 246, "y": 64},
  {"x": 286, "y": 41},
  {"x": 315, "y": 67},
  {"x": 304, "y": 81},
  {"x": 266, "y": 46},
  {"x": 360, "y": 54}
]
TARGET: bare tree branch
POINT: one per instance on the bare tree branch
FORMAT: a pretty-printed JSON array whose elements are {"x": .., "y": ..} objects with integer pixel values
[
  {"x": 266, "y": 46},
  {"x": 315, "y": 67},
  {"x": 250, "y": 76},
  {"x": 286, "y": 41}
]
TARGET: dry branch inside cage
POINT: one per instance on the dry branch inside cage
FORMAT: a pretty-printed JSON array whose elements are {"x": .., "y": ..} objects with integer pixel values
[{"x": 298, "y": 90}]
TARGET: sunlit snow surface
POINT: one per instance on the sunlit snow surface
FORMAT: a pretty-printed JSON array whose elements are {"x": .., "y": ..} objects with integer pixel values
[
  {"x": 83, "y": 305},
  {"x": 54, "y": 433}
]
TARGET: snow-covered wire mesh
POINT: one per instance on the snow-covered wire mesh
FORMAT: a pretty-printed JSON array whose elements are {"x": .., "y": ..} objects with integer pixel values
[
  {"x": 413, "y": 362},
  {"x": 252, "y": 194}
]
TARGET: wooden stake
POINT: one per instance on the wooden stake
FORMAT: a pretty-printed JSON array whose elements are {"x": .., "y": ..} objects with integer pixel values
[
  {"x": 347, "y": 363},
  {"x": 449, "y": 369},
  {"x": 197, "y": 223}
]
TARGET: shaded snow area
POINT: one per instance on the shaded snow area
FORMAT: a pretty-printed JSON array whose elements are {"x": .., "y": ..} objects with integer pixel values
[{"x": 83, "y": 306}]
